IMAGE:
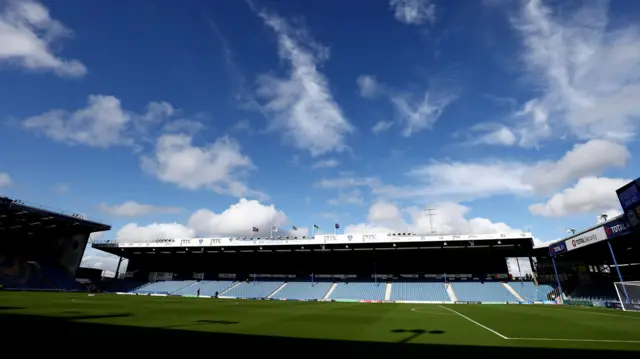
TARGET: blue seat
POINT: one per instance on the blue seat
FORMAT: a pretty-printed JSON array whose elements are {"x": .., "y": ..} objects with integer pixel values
[
  {"x": 303, "y": 290},
  {"x": 482, "y": 292},
  {"x": 419, "y": 291},
  {"x": 207, "y": 288},
  {"x": 164, "y": 287},
  {"x": 359, "y": 291},
  {"x": 529, "y": 291},
  {"x": 254, "y": 289}
]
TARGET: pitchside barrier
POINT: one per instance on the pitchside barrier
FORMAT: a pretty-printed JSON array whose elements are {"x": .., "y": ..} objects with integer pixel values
[
  {"x": 629, "y": 295},
  {"x": 579, "y": 303}
]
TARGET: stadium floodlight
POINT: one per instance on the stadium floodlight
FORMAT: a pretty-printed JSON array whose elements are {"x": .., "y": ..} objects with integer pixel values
[{"x": 629, "y": 295}]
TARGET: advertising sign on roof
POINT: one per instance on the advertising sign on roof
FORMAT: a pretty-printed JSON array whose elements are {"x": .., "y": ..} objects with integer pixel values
[
  {"x": 629, "y": 197},
  {"x": 557, "y": 248},
  {"x": 617, "y": 228},
  {"x": 585, "y": 239}
]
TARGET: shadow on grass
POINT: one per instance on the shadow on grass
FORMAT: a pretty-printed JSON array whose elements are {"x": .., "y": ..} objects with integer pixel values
[
  {"x": 49, "y": 334},
  {"x": 85, "y": 317},
  {"x": 10, "y": 308},
  {"x": 201, "y": 322},
  {"x": 415, "y": 333}
]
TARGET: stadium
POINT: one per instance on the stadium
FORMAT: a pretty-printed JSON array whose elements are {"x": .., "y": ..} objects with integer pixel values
[{"x": 373, "y": 294}]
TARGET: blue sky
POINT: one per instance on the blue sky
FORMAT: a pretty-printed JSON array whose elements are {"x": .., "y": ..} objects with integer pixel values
[{"x": 197, "y": 118}]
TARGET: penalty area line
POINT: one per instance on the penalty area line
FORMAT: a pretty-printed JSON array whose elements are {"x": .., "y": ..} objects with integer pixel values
[
  {"x": 579, "y": 340},
  {"x": 476, "y": 323}
]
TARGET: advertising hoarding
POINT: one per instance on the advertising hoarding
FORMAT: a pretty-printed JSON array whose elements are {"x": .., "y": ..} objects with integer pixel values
[{"x": 585, "y": 239}]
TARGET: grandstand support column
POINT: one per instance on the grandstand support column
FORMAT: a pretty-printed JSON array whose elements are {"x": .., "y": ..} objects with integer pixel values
[
  {"x": 555, "y": 269},
  {"x": 534, "y": 270},
  {"x": 615, "y": 262},
  {"x": 120, "y": 259}
]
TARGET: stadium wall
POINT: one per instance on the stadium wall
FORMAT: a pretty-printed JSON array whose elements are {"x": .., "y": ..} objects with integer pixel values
[{"x": 70, "y": 249}]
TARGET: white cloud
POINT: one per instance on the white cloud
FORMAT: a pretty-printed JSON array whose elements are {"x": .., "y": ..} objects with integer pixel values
[
  {"x": 459, "y": 181},
  {"x": 94, "y": 258},
  {"x": 326, "y": 164},
  {"x": 367, "y": 228},
  {"x": 419, "y": 113},
  {"x": 217, "y": 166},
  {"x": 587, "y": 70},
  {"x": 465, "y": 181},
  {"x": 449, "y": 218},
  {"x": 237, "y": 220},
  {"x": 589, "y": 159},
  {"x": 383, "y": 212},
  {"x": 453, "y": 218},
  {"x": 368, "y": 86},
  {"x": 589, "y": 195},
  {"x": 135, "y": 209},
  {"x": 381, "y": 126},
  {"x": 98, "y": 259},
  {"x": 132, "y": 232},
  {"x": 302, "y": 104},
  {"x": 27, "y": 35},
  {"x": 414, "y": 12},
  {"x": 414, "y": 112},
  {"x": 493, "y": 134},
  {"x": 96, "y": 236},
  {"x": 102, "y": 123},
  {"x": 5, "y": 179}
]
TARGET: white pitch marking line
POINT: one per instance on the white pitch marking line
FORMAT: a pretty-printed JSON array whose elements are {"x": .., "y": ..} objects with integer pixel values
[
  {"x": 428, "y": 312},
  {"x": 476, "y": 323},
  {"x": 580, "y": 340},
  {"x": 596, "y": 313}
]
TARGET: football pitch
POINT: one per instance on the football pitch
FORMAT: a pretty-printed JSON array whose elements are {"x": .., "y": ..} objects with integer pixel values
[{"x": 376, "y": 329}]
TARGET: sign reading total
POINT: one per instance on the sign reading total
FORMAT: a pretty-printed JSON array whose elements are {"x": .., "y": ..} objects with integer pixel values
[
  {"x": 617, "y": 228},
  {"x": 586, "y": 239},
  {"x": 558, "y": 248}
]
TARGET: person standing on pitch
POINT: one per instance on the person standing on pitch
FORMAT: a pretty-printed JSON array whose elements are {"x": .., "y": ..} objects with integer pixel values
[{"x": 198, "y": 292}]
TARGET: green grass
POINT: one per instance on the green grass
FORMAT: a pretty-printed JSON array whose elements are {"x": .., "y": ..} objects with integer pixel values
[{"x": 445, "y": 326}]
